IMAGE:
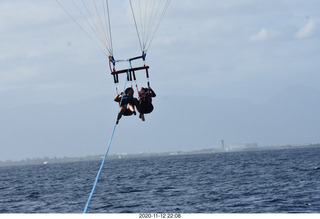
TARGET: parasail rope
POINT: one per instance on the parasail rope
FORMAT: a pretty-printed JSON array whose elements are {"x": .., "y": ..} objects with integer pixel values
[
  {"x": 105, "y": 156},
  {"x": 96, "y": 38},
  {"x": 157, "y": 27},
  {"x": 109, "y": 24},
  {"x": 88, "y": 35},
  {"x": 94, "y": 26},
  {"x": 135, "y": 23},
  {"x": 99, "y": 22},
  {"x": 152, "y": 17},
  {"x": 155, "y": 10}
]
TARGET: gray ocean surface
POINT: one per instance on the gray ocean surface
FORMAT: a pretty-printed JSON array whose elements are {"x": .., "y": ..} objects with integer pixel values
[{"x": 268, "y": 181}]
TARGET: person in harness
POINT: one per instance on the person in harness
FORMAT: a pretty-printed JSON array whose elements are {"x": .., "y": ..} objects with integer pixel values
[
  {"x": 127, "y": 103},
  {"x": 145, "y": 101}
]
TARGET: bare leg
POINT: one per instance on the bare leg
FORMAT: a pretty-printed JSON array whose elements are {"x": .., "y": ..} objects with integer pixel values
[
  {"x": 122, "y": 110},
  {"x": 131, "y": 108}
]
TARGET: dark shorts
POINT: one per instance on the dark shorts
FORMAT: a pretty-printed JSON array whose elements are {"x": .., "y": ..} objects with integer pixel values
[
  {"x": 127, "y": 112},
  {"x": 145, "y": 109}
]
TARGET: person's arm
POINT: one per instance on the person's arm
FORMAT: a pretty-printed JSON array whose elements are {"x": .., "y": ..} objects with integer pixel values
[
  {"x": 118, "y": 98},
  {"x": 152, "y": 93}
]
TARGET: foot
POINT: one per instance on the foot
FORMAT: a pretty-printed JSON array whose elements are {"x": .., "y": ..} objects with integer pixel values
[{"x": 117, "y": 122}]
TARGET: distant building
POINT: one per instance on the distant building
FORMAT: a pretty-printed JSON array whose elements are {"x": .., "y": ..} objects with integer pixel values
[
  {"x": 240, "y": 146},
  {"x": 222, "y": 145}
]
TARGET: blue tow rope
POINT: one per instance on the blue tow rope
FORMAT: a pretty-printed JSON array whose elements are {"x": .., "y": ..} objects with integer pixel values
[{"x": 105, "y": 156}]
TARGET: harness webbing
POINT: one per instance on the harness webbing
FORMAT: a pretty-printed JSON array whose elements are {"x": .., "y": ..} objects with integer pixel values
[{"x": 105, "y": 156}]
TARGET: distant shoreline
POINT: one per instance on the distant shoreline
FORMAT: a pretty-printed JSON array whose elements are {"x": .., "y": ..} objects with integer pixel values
[{"x": 46, "y": 160}]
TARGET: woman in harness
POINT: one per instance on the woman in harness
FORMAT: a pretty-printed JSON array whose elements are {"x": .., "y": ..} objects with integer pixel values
[
  {"x": 127, "y": 103},
  {"x": 145, "y": 101}
]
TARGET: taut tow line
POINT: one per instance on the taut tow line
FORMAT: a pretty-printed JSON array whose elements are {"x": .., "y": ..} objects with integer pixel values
[{"x": 105, "y": 156}]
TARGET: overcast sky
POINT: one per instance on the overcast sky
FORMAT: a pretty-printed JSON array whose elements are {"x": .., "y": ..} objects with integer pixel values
[{"x": 56, "y": 91}]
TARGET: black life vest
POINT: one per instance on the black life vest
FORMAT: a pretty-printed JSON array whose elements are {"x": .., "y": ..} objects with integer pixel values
[
  {"x": 146, "y": 103},
  {"x": 125, "y": 100}
]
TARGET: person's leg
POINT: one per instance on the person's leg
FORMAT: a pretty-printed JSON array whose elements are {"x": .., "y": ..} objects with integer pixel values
[
  {"x": 131, "y": 108},
  {"x": 141, "y": 116},
  {"x": 121, "y": 112}
]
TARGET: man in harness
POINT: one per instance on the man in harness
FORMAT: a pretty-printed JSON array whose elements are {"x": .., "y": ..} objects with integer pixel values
[
  {"x": 145, "y": 101},
  {"x": 127, "y": 103}
]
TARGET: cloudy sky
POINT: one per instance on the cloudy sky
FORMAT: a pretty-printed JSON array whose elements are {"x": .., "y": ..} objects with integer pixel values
[{"x": 238, "y": 70}]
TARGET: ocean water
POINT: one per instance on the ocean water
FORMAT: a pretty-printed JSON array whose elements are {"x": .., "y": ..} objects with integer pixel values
[{"x": 269, "y": 181}]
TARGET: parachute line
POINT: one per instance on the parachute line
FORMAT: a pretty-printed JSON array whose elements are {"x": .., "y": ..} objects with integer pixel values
[
  {"x": 95, "y": 20},
  {"x": 158, "y": 25},
  {"x": 135, "y": 23},
  {"x": 147, "y": 19},
  {"x": 99, "y": 23},
  {"x": 93, "y": 27},
  {"x": 77, "y": 23},
  {"x": 107, "y": 20}
]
